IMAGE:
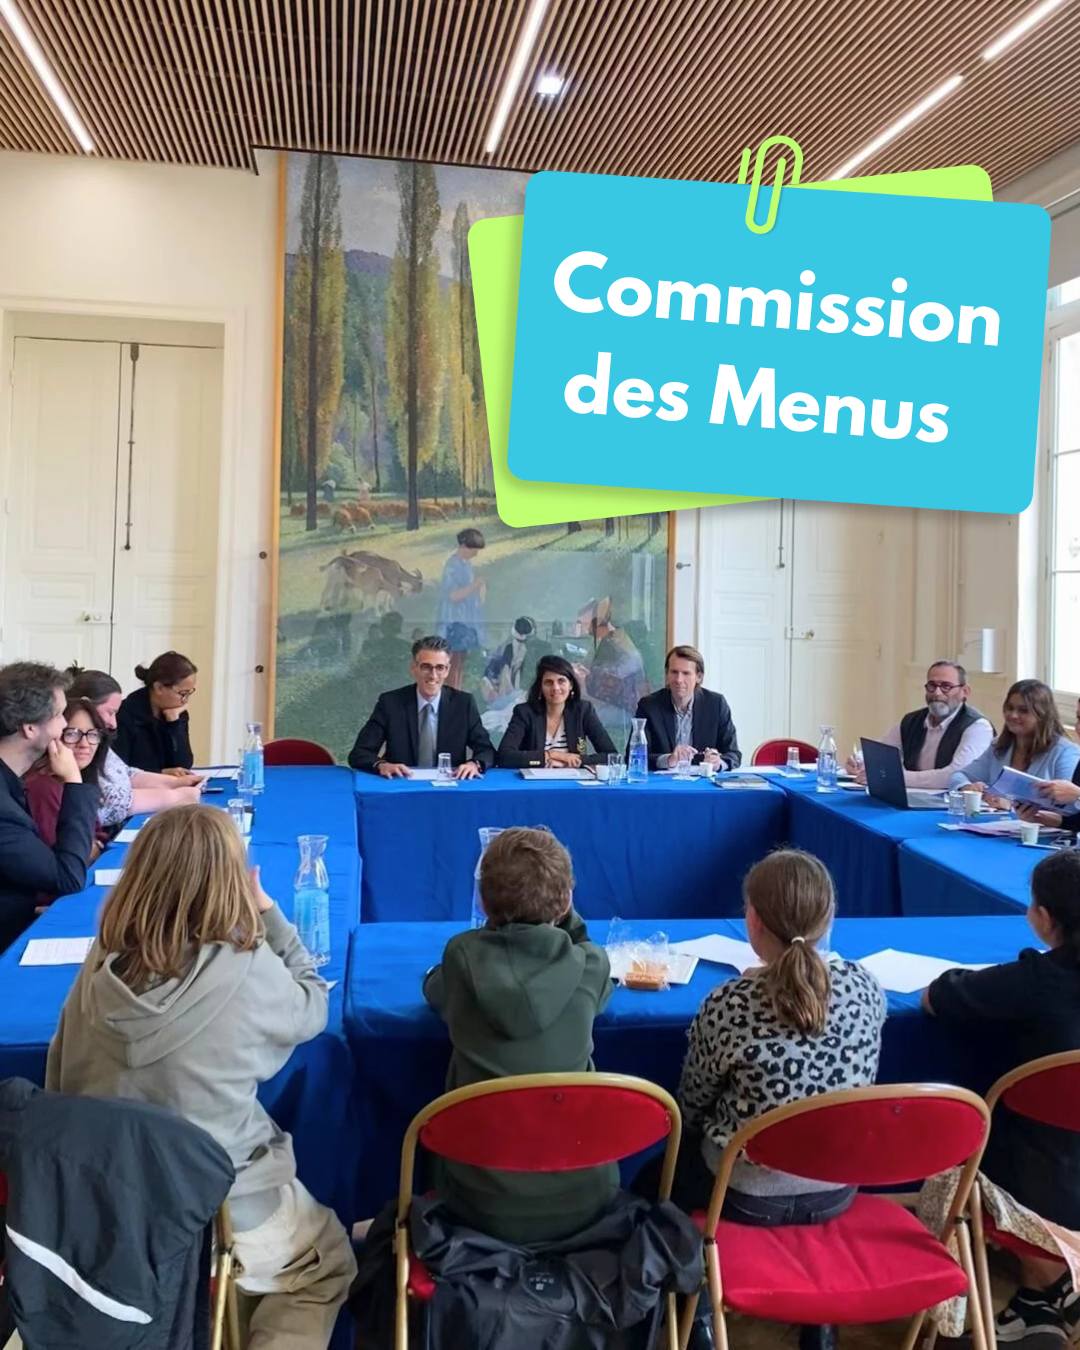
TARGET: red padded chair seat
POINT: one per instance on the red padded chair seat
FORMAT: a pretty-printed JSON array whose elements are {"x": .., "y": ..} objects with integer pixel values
[
  {"x": 874, "y": 1263},
  {"x": 1010, "y": 1243},
  {"x": 421, "y": 1286}
]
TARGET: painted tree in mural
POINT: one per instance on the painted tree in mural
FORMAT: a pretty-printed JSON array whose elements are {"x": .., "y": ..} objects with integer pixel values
[
  {"x": 466, "y": 382},
  {"x": 361, "y": 373},
  {"x": 414, "y": 360},
  {"x": 316, "y": 316}
]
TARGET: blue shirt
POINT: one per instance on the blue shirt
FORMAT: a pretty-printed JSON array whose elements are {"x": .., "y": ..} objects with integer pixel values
[{"x": 1059, "y": 761}]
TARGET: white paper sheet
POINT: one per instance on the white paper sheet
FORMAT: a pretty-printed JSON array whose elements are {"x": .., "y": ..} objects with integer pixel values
[
  {"x": 905, "y": 972},
  {"x": 56, "y": 951},
  {"x": 555, "y": 775},
  {"x": 218, "y": 770},
  {"x": 127, "y": 836},
  {"x": 722, "y": 951},
  {"x": 1021, "y": 787},
  {"x": 107, "y": 876},
  {"x": 681, "y": 965}
]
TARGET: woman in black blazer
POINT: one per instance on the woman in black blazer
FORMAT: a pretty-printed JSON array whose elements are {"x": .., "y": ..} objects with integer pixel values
[
  {"x": 152, "y": 723},
  {"x": 554, "y": 727}
]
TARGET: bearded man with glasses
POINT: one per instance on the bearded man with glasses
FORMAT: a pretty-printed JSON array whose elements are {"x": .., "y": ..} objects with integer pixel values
[
  {"x": 411, "y": 726},
  {"x": 944, "y": 736}
]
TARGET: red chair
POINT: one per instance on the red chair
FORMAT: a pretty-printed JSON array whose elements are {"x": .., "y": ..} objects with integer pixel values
[
  {"x": 775, "y": 752},
  {"x": 876, "y": 1261},
  {"x": 291, "y": 750},
  {"x": 542, "y": 1122},
  {"x": 1044, "y": 1090}
]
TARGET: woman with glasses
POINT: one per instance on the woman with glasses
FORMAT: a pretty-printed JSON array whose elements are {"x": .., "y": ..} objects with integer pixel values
[
  {"x": 86, "y": 738},
  {"x": 126, "y": 791},
  {"x": 555, "y": 726},
  {"x": 1032, "y": 741},
  {"x": 152, "y": 723}
]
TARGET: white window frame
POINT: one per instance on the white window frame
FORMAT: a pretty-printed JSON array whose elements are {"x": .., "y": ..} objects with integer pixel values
[{"x": 1063, "y": 320}]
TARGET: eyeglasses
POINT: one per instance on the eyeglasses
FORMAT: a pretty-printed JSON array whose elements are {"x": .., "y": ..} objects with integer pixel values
[
  {"x": 425, "y": 668},
  {"x": 72, "y": 736},
  {"x": 943, "y": 685},
  {"x": 183, "y": 694}
]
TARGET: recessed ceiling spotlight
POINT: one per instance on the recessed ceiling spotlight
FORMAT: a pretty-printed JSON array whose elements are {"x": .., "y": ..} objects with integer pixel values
[{"x": 550, "y": 85}]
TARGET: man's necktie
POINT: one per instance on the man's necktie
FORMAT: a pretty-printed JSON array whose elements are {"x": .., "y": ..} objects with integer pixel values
[{"x": 427, "y": 737}]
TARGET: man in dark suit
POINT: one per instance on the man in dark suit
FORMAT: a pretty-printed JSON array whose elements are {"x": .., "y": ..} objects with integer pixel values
[
  {"x": 31, "y": 723},
  {"x": 684, "y": 720},
  {"x": 412, "y": 726}
]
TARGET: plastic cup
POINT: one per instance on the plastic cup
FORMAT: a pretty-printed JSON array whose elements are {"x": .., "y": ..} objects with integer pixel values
[
  {"x": 793, "y": 765},
  {"x": 444, "y": 769},
  {"x": 972, "y": 803},
  {"x": 1029, "y": 832},
  {"x": 955, "y": 802}
]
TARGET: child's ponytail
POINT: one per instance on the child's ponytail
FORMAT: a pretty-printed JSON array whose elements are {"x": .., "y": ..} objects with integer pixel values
[{"x": 792, "y": 894}]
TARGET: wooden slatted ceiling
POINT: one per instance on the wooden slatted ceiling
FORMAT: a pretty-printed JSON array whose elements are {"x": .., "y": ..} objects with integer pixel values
[{"x": 669, "y": 88}]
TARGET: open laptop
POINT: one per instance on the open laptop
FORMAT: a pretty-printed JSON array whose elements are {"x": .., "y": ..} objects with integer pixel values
[{"x": 885, "y": 780}]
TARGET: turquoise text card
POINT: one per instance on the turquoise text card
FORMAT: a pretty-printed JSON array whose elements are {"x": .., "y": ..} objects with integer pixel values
[{"x": 872, "y": 349}]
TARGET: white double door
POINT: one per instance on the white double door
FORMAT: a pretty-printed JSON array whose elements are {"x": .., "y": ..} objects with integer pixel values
[
  {"x": 803, "y": 612},
  {"x": 111, "y": 500}
]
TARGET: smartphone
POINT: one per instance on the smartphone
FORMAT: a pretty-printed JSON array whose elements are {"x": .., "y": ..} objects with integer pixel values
[{"x": 207, "y": 791}]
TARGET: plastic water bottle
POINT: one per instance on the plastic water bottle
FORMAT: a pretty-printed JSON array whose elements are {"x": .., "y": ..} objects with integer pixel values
[
  {"x": 826, "y": 761},
  {"x": 479, "y": 917},
  {"x": 639, "y": 753},
  {"x": 311, "y": 898},
  {"x": 252, "y": 773}
]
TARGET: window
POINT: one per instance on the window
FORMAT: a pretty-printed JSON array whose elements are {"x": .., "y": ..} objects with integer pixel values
[{"x": 1063, "y": 571}]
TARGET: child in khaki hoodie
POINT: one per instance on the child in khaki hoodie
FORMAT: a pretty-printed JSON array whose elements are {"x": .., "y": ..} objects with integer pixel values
[
  {"x": 519, "y": 996},
  {"x": 195, "y": 992}
]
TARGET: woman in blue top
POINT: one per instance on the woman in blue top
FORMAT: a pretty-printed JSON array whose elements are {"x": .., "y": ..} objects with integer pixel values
[
  {"x": 461, "y": 600},
  {"x": 1032, "y": 741}
]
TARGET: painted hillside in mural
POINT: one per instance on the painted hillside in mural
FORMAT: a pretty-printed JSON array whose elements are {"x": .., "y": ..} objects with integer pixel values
[{"x": 388, "y": 522}]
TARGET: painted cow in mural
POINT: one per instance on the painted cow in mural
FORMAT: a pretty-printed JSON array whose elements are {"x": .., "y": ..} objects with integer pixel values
[{"x": 361, "y": 580}]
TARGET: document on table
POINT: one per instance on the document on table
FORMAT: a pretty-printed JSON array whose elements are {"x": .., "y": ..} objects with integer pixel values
[
  {"x": 905, "y": 972},
  {"x": 721, "y": 951},
  {"x": 107, "y": 876},
  {"x": 1021, "y": 787},
  {"x": 56, "y": 951},
  {"x": 127, "y": 836},
  {"x": 218, "y": 770},
  {"x": 555, "y": 775}
]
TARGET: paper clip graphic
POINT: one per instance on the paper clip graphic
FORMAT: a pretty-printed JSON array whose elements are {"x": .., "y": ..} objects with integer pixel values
[{"x": 755, "y": 182}]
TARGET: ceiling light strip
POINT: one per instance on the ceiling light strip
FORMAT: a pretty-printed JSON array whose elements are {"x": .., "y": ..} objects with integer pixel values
[
  {"x": 518, "y": 62},
  {"x": 45, "y": 73}
]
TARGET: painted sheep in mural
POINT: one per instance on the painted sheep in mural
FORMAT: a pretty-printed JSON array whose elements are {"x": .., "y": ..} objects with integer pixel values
[{"x": 363, "y": 580}]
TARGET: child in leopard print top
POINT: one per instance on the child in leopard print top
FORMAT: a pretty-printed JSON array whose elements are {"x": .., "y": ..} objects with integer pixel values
[{"x": 801, "y": 1024}]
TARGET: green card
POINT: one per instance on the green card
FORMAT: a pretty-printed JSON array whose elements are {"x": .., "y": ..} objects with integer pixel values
[{"x": 495, "y": 257}]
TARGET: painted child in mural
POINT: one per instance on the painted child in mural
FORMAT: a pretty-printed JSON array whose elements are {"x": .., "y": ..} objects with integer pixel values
[
  {"x": 461, "y": 603},
  {"x": 511, "y": 666}
]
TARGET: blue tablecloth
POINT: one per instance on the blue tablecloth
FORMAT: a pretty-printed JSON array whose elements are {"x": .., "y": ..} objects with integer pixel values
[
  {"x": 312, "y": 1096},
  {"x": 957, "y": 873},
  {"x": 665, "y": 846},
  {"x": 401, "y": 1048},
  {"x": 857, "y": 839}
]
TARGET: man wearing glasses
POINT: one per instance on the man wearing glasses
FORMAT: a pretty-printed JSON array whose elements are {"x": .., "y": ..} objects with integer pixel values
[
  {"x": 936, "y": 741},
  {"x": 412, "y": 726}
]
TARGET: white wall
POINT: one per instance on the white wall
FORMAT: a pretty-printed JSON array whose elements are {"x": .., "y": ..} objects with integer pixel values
[{"x": 152, "y": 241}]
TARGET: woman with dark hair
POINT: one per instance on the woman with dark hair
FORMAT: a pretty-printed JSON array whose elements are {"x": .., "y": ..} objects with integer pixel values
[
  {"x": 88, "y": 740},
  {"x": 555, "y": 725},
  {"x": 126, "y": 791},
  {"x": 1032, "y": 741},
  {"x": 152, "y": 723}
]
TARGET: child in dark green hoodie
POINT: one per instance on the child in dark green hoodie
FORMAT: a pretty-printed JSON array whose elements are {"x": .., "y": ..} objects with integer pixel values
[{"x": 519, "y": 996}]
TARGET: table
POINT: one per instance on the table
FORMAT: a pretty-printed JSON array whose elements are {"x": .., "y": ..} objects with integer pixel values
[
  {"x": 857, "y": 838},
  {"x": 401, "y": 1047},
  {"x": 957, "y": 873},
  {"x": 312, "y": 1097},
  {"x": 672, "y": 846}
]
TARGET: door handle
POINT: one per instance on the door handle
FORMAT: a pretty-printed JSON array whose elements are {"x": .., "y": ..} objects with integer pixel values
[
  {"x": 680, "y": 565},
  {"x": 89, "y": 617}
]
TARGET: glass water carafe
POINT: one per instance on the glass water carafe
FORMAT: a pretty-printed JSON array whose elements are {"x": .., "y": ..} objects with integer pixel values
[{"x": 311, "y": 898}]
